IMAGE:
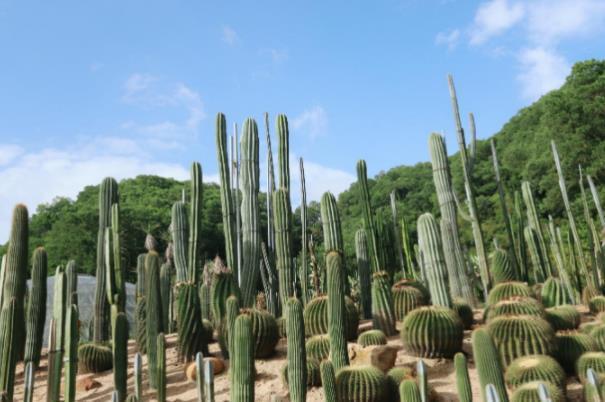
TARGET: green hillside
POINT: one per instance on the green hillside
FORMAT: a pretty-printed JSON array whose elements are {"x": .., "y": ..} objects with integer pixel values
[{"x": 574, "y": 116}]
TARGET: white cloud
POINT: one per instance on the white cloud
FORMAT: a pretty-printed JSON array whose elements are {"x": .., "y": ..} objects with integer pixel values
[
  {"x": 229, "y": 35},
  {"x": 8, "y": 153},
  {"x": 542, "y": 70},
  {"x": 136, "y": 84},
  {"x": 312, "y": 122},
  {"x": 277, "y": 55},
  {"x": 318, "y": 180},
  {"x": 493, "y": 18},
  {"x": 449, "y": 39}
]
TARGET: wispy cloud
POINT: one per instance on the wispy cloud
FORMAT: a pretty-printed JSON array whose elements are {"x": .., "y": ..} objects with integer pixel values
[
  {"x": 8, "y": 153},
  {"x": 495, "y": 17},
  {"x": 449, "y": 39},
  {"x": 541, "y": 70},
  {"x": 229, "y": 36},
  {"x": 312, "y": 122}
]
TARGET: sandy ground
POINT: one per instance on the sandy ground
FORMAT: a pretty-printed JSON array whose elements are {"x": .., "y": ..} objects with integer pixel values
[{"x": 268, "y": 382}]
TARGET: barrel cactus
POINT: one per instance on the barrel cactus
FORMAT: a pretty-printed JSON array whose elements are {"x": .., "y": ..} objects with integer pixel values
[
  {"x": 502, "y": 268},
  {"x": 514, "y": 306},
  {"x": 534, "y": 368},
  {"x": 572, "y": 345},
  {"x": 464, "y": 311},
  {"x": 517, "y": 336},
  {"x": 598, "y": 334},
  {"x": 563, "y": 317},
  {"x": 264, "y": 332},
  {"x": 507, "y": 290},
  {"x": 313, "y": 374},
  {"x": 597, "y": 304},
  {"x": 316, "y": 317},
  {"x": 360, "y": 384},
  {"x": 372, "y": 337},
  {"x": 318, "y": 347},
  {"x": 588, "y": 293},
  {"x": 405, "y": 299},
  {"x": 593, "y": 360},
  {"x": 94, "y": 358},
  {"x": 554, "y": 293},
  {"x": 432, "y": 332},
  {"x": 530, "y": 393}
]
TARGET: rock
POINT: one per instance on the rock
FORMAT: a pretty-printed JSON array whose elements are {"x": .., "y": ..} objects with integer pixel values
[
  {"x": 86, "y": 383},
  {"x": 218, "y": 366},
  {"x": 380, "y": 356}
]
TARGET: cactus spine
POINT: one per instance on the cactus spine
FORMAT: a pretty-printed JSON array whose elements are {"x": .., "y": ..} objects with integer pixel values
[
  {"x": 242, "y": 378},
  {"x": 488, "y": 365},
  {"x": 363, "y": 272},
  {"x": 108, "y": 195},
  {"x": 71, "y": 352},
  {"x": 227, "y": 207},
  {"x": 249, "y": 182},
  {"x": 336, "y": 310},
  {"x": 463, "y": 382},
  {"x": 154, "y": 311},
  {"x": 433, "y": 267},
  {"x": 161, "y": 367},
  {"x": 297, "y": 359},
  {"x": 36, "y": 308},
  {"x": 458, "y": 280},
  {"x": 283, "y": 244}
]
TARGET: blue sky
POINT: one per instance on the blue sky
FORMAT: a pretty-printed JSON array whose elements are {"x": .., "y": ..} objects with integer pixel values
[{"x": 121, "y": 88}]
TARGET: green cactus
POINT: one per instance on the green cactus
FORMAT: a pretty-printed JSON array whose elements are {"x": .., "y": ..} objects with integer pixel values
[
  {"x": 304, "y": 262},
  {"x": 120, "y": 354},
  {"x": 165, "y": 293},
  {"x": 434, "y": 268},
  {"x": 205, "y": 302},
  {"x": 394, "y": 378},
  {"x": 533, "y": 246},
  {"x": 406, "y": 298},
  {"x": 563, "y": 317},
  {"x": 179, "y": 230},
  {"x": 540, "y": 253},
  {"x": 283, "y": 244},
  {"x": 297, "y": 358},
  {"x": 161, "y": 368},
  {"x": 141, "y": 325},
  {"x": 226, "y": 328},
  {"x": 372, "y": 337},
  {"x": 316, "y": 317},
  {"x": 71, "y": 276},
  {"x": 36, "y": 308},
  {"x": 502, "y": 268},
  {"x": 554, "y": 293},
  {"x": 71, "y": 352},
  {"x": 249, "y": 182},
  {"x": 59, "y": 311},
  {"x": 593, "y": 360},
  {"x": 488, "y": 364},
  {"x": 227, "y": 206},
  {"x": 432, "y": 332},
  {"x": 459, "y": 285},
  {"x": 108, "y": 195},
  {"x": 336, "y": 310},
  {"x": 383, "y": 316},
  {"x": 154, "y": 313},
  {"x": 94, "y": 358},
  {"x": 598, "y": 334},
  {"x": 242, "y": 377},
  {"x": 114, "y": 274},
  {"x": 465, "y": 312},
  {"x": 517, "y": 336},
  {"x": 7, "y": 348},
  {"x": 514, "y": 306},
  {"x": 534, "y": 368},
  {"x": 318, "y": 347},
  {"x": 223, "y": 285},
  {"x": 409, "y": 391},
  {"x": 368, "y": 216},
  {"x": 570, "y": 346},
  {"x": 328, "y": 381},
  {"x": 597, "y": 304},
  {"x": 360, "y": 383},
  {"x": 313, "y": 374},
  {"x": 463, "y": 382},
  {"x": 529, "y": 393},
  {"x": 507, "y": 290},
  {"x": 363, "y": 272},
  {"x": 264, "y": 332}
]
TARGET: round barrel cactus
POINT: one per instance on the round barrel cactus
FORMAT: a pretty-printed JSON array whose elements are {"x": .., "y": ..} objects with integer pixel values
[
  {"x": 554, "y": 293},
  {"x": 514, "y": 306},
  {"x": 372, "y": 337},
  {"x": 529, "y": 393},
  {"x": 563, "y": 317},
  {"x": 507, "y": 290},
  {"x": 316, "y": 317},
  {"x": 593, "y": 360},
  {"x": 501, "y": 267},
  {"x": 426, "y": 295},
  {"x": 360, "y": 384},
  {"x": 405, "y": 299},
  {"x": 598, "y": 334},
  {"x": 318, "y": 347},
  {"x": 94, "y": 358},
  {"x": 597, "y": 304},
  {"x": 516, "y": 336},
  {"x": 588, "y": 293},
  {"x": 465, "y": 312},
  {"x": 534, "y": 368},
  {"x": 432, "y": 332},
  {"x": 313, "y": 374},
  {"x": 572, "y": 345},
  {"x": 264, "y": 330}
]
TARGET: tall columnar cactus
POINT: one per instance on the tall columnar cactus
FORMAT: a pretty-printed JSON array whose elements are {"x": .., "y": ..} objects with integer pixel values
[
  {"x": 36, "y": 307},
  {"x": 533, "y": 246},
  {"x": 408, "y": 249},
  {"x": 108, "y": 195},
  {"x": 8, "y": 359},
  {"x": 336, "y": 310},
  {"x": 223, "y": 285},
  {"x": 368, "y": 215},
  {"x": 161, "y": 367},
  {"x": 227, "y": 207},
  {"x": 154, "y": 313},
  {"x": 456, "y": 267},
  {"x": 409, "y": 392},
  {"x": 468, "y": 162},
  {"x": 179, "y": 231},
  {"x": 363, "y": 272},
  {"x": 166, "y": 294},
  {"x": 297, "y": 358},
  {"x": 140, "y": 284},
  {"x": 283, "y": 244},
  {"x": 120, "y": 354},
  {"x": 283, "y": 153},
  {"x": 397, "y": 233},
  {"x": 533, "y": 221},
  {"x": 242, "y": 377},
  {"x": 463, "y": 382},
  {"x": 71, "y": 352},
  {"x": 433, "y": 267},
  {"x": 328, "y": 380},
  {"x": 304, "y": 263},
  {"x": 59, "y": 311},
  {"x": 331, "y": 224},
  {"x": 518, "y": 227},
  {"x": 383, "y": 314},
  {"x": 114, "y": 273},
  {"x": 488, "y": 365},
  {"x": 249, "y": 183},
  {"x": 231, "y": 313},
  {"x": 71, "y": 276}
]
